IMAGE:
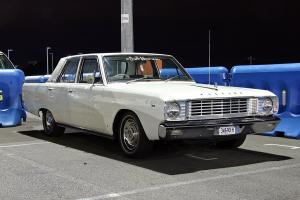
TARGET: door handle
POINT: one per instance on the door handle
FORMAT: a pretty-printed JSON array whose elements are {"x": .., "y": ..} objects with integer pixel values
[
  {"x": 50, "y": 89},
  {"x": 70, "y": 91}
]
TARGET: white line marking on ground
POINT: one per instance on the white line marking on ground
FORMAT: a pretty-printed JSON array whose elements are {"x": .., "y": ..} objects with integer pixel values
[
  {"x": 184, "y": 183},
  {"x": 282, "y": 145},
  {"x": 200, "y": 158},
  {"x": 19, "y": 145}
]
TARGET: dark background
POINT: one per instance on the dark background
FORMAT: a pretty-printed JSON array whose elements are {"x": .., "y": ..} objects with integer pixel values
[{"x": 267, "y": 30}]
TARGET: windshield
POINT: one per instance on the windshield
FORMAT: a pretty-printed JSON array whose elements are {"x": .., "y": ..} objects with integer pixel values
[
  {"x": 5, "y": 63},
  {"x": 129, "y": 69}
]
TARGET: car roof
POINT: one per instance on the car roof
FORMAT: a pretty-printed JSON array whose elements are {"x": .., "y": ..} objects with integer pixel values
[{"x": 116, "y": 54}]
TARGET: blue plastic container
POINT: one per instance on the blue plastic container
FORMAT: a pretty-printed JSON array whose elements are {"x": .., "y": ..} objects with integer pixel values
[
  {"x": 281, "y": 79},
  {"x": 37, "y": 79},
  {"x": 218, "y": 75},
  {"x": 11, "y": 105}
]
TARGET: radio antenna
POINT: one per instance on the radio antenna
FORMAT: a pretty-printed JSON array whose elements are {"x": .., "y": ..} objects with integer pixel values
[{"x": 209, "y": 49}]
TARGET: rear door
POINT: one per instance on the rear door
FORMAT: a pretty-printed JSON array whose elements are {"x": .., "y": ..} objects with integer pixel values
[{"x": 58, "y": 92}]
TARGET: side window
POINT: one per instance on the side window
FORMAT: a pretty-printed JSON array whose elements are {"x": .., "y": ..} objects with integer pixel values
[
  {"x": 90, "y": 69},
  {"x": 70, "y": 69}
]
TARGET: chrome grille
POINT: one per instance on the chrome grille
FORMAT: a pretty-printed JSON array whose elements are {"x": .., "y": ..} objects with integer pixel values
[{"x": 207, "y": 108}]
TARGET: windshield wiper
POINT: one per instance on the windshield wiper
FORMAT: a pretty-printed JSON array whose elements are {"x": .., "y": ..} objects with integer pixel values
[
  {"x": 173, "y": 77},
  {"x": 138, "y": 79}
]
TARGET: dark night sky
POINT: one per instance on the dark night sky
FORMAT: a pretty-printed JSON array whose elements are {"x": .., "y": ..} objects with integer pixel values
[{"x": 267, "y": 30}]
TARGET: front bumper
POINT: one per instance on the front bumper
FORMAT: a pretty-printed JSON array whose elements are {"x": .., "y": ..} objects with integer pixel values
[{"x": 207, "y": 129}]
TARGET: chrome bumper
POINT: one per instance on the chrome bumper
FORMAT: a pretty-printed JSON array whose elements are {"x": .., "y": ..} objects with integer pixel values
[{"x": 208, "y": 128}]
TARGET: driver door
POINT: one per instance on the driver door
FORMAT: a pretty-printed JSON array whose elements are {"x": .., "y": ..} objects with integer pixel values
[{"x": 86, "y": 96}]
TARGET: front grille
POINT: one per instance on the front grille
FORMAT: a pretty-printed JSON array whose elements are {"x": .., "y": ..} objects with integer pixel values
[{"x": 210, "y": 108}]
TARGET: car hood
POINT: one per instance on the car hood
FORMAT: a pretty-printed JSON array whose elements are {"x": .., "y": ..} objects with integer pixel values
[{"x": 180, "y": 90}]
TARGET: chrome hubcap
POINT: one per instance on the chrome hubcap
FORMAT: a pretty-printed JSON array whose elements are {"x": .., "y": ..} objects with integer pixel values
[
  {"x": 49, "y": 120},
  {"x": 130, "y": 134}
]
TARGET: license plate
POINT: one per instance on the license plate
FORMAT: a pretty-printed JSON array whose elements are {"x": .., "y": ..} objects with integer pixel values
[{"x": 228, "y": 130}]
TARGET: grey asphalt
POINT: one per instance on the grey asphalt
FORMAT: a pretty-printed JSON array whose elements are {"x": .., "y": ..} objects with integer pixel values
[{"x": 81, "y": 166}]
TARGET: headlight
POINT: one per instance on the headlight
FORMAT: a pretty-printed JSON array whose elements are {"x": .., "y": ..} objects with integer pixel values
[
  {"x": 265, "y": 106},
  {"x": 268, "y": 105},
  {"x": 172, "y": 110},
  {"x": 175, "y": 111}
]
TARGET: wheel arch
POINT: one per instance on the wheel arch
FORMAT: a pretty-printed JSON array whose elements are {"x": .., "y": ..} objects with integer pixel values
[
  {"x": 41, "y": 110},
  {"x": 117, "y": 119}
]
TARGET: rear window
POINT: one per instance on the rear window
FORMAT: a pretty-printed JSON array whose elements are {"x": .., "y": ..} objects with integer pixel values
[{"x": 5, "y": 63}]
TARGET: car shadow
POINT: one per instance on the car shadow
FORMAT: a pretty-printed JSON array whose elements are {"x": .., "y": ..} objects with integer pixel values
[{"x": 168, "y": 158}]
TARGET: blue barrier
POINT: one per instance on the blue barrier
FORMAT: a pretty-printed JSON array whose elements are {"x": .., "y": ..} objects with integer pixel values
[
  {"x": 281, "y": 79},
  {"x": 37, "y": 79},
  {"x": 11, "y": 105},
  {"x": 218, "y": 75}
]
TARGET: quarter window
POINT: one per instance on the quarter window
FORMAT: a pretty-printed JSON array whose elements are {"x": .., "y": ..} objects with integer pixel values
[{"x": 69, "y": 74}]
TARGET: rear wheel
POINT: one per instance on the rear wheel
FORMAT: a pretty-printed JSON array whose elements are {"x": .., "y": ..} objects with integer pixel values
[
  {"x": 50, "y": 126},
  {"x": 132, "y": 137},
  {"x": 231, "y": 144}
]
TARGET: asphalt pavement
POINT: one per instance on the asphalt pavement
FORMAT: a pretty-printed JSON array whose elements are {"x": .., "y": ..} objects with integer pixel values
[{"x": 81, "y": 166}]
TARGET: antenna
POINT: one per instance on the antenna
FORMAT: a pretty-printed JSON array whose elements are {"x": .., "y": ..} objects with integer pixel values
[{"x": 209, "y": 48}]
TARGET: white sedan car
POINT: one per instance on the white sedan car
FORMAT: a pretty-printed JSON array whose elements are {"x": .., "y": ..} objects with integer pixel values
[{"x": 140, "y": 98}]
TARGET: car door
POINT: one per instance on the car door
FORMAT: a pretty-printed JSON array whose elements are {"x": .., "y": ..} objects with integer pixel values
[
  {"x": 86, "y": 111},
  {"x": 58, "y": 92}
]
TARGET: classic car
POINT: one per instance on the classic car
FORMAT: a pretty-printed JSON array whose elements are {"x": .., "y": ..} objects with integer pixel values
[{"x": 140, "y": 98}]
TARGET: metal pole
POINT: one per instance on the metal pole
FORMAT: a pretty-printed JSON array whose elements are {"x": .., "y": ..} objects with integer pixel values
[
  {"x": 8, "y": 52},
  {"x": 127, "y": 43},
  {"x": 51, "y": 61},
  {"x": 251, "y": 59},
  {"x": 47, "y": 55},
  {"x": 209, "y": 49}
]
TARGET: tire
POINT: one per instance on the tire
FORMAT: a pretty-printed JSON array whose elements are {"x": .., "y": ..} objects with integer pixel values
[
  {"x": 132, "y": 138},
  {"x": 231, "y": 144},
  {"x": 50, "y": 126}
]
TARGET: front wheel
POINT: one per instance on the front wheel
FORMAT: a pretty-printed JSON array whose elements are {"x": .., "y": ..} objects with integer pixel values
[
  {"x": 132, "y": 137},
  {"x": 50, "y": 126},
  {"x": 232, "y": 144}
]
